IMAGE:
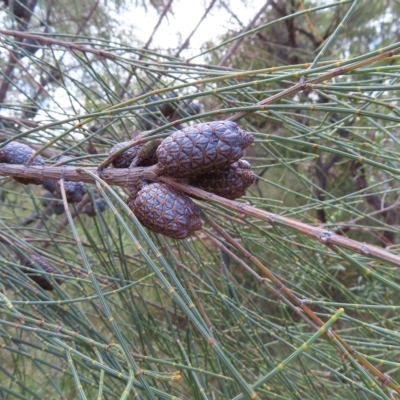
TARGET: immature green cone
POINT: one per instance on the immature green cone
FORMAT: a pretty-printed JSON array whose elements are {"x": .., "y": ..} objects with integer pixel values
[
  {"x": 201, "y": 148},
  {"x": 19, "y": 153},
  {"x": 230, "y": 183},
  {"x": 42, "y": 281},
  {"x": 165, "y": 210}
]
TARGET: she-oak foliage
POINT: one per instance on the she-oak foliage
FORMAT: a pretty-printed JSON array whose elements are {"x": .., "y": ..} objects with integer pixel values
[{"x": 290, "y": 291}]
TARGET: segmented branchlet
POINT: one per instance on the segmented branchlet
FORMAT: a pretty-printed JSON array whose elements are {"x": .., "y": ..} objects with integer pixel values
[
  {"x": 201, "y": 148},
  {"x": 74, "y": 191},
  {"x": 19, "y": 153},
  {"x": 230, "y": 183},
  {"x": 41, "y": 280},
  {"x": 165, "y": 210}
]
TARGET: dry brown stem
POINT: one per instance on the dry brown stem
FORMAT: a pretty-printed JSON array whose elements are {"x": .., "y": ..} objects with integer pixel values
[
  {"x": 126, "y": 176},
  {"x": 113, "y": 176}
]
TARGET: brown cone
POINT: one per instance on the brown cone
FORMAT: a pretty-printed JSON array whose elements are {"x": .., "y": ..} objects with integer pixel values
[
  {"x": 143, "y": 154},
  {"x": 42, "y": 281},
  {"x": 74, "y": 191},
  {"x": 230, "y": 183},
  {"x": 165, "y": 210},
  {"x": 19, "y": 153},
  {"x": 201, "y": 148}
]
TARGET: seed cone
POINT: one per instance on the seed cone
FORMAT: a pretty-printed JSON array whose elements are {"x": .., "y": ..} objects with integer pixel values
[
  {"x": 90, "y": 210},
  {"x": 184, "y": 111},
  {"x": 19, "y": 153},
  {"x": 42, "y": 281},
  {"x": 57, "y": 206},
  {"x": 59, "y": 209},
  {"x": 230, "y": 183},
  {"x": 49, "y": 185},
  {"x": 165, "y": 210},
  {"x": 201, "y": 148},
  {"x": 126, "y": 158},
  {"x": 47, "y": 198},
  {"x": 143, "y": 154},
  {"x": 74, "y": 190}
]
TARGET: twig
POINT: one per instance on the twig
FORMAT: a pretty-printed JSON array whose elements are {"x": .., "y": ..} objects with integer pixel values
[
  {"x": 304, "y": 84},
  {"x": 306, "y": 313},
  {"x": 237, "y": 43},
  {"x": 51, "y": 42},
  {"x": 13, "y": 59},
  {"x": 20, "y": 122},
  {"x": 145, "y": 47},
  {"x": 324, "y": 236},
  {"x": 113, "y": 176},
  {"x": 186, "y": 42},
  {"x": 389, "y": 215}
]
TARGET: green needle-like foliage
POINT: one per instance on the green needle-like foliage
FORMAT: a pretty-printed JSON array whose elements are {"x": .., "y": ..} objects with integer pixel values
[{"x": 289, "y": 292}]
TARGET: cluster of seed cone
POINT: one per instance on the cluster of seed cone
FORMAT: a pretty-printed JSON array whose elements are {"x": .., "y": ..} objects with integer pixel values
[{"x": 208, "y": 156}]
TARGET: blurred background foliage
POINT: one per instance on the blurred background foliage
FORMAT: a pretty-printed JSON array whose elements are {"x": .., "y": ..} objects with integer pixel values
[{"x": 133, "y": 313}]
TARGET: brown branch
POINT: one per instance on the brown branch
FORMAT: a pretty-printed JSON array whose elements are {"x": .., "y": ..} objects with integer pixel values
[
  {"x": 186, "y": 42},
  {"x": 7, "y": 75},
  {"x": 79, "y": 208},
  {"x": 237, "y": 43},
  {"x": 87, "y": 18},
  {"x": 264, "y": 40},
  {"x": 13, "y": 59},
  {"x": 64, "y": 223},
  {"x": 290, "y": 24},
  {"x": 112, "y": 176},
  {"x": 389, "y": 216},
  {"x": 145, "y": 47},
  {"x": 306, "y": 313},
  {"x": 304, "y": 84},
  {"x": 44, "y": 40},
  {"x": 20, "y": 122},
  {"x": 322, "y": 170},
  {"x": 54, "y": 74},
  {"x": 351, "y": 225},
  {"x": 321, "y": 189},
  {"x": 324, "y": 236},
  {"x": 126, "y": 176}
]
